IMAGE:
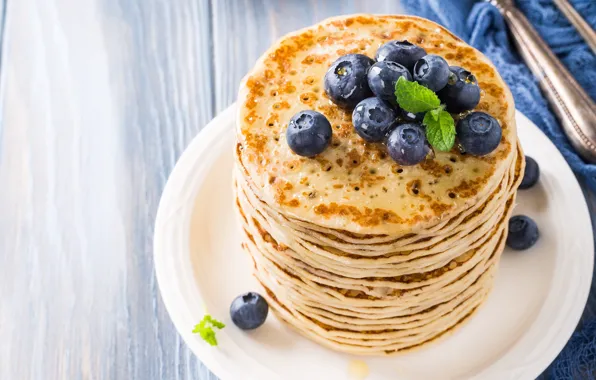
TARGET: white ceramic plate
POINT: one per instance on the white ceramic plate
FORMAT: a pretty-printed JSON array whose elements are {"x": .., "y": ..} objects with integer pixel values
[{"x": 537, "y": 301}]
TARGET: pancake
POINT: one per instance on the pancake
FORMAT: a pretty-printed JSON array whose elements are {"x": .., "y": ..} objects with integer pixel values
[
  {"x": 354, "y": 185},
  {"x": 291, "y": 263},
  {"x": 352, "y": 250}
]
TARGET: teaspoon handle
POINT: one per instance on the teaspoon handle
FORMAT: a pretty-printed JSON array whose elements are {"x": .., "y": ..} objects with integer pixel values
[{"x": 574, "y": 108}]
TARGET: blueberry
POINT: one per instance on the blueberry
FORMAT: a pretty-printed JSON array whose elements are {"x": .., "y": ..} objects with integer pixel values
[
  {"x": 523, "y": 232},
  {"x": 249, "y": 310},
  {"x": 345, "y": 81},
  {"x": 531, "y": 174},
  {"x": 461, "y": 92},
  {"x": 409, "y": 116},
  {"x": 479, "y": 133},
  {"x": 382, "y": 77},
  {"x": 373, "y": 119},
  {"x": 431, "y": 71},
  {"x": 402, "y": 52},
  {"x": 407, "y": 144},
  {"x": 308, "y": 133}
]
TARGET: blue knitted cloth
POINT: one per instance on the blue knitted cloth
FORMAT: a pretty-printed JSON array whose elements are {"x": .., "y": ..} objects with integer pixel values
[{"x": 481, "y": 25}]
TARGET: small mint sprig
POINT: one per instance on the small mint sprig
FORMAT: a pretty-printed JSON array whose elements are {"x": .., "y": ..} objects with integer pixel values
[
  {"x": 440, "y": 126},
  {"x": 205, "y": 329},
  {"x": 440, "y": 129}
]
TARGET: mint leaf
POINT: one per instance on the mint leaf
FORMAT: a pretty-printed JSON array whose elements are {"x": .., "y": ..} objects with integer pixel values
[
  {"x": 414, "y": 97},
  {"x": 217, "y": 323},
  {"x": 205, "y": 329},
  {"x": 440, "y": 129},
  {"x": 435, "y": 113}
]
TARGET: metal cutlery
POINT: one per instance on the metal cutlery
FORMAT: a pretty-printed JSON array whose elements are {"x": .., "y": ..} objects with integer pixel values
[
  {"x": 574, "y": 108},
  {"x": 582, "y": 27}
]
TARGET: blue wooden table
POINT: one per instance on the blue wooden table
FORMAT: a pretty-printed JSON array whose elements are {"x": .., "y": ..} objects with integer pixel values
[{"x": 99, "y": 99}]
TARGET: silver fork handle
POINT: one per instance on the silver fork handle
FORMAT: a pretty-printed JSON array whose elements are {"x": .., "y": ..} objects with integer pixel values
[
  {"x": 574, "y": 108},
  {"x": 581, "y": 25}
]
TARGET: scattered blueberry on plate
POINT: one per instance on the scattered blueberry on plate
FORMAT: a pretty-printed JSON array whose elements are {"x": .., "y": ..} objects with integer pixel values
[
  {"x": 531, "y": 174},
  {"x": 382, "y": 77},
  {"x": 479, "y": 133},
  {"x": 373, "y": 119},
  {"x": 523, "y": 232},
  {"x": 407, "y": 144},
  {"x": 249, "y": 311},
  {"x": 431, "y": 71},
  {"x": 308, "y": 133},
  {"x": 461, "y": 93},
  {"x": 346, "y": 81},
  {"x": 403, "y": 52}
]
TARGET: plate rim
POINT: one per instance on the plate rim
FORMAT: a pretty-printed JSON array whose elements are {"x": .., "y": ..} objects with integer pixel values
[{"x": 172, "y": 295}]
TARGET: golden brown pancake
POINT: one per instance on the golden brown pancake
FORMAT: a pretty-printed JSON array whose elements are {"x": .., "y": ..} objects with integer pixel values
[
  {"x": 354, "y": 251},
  {"x": 354, "y": 185}
]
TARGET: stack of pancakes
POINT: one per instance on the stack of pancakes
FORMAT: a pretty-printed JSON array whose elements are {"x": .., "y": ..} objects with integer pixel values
[{"x": 352, "y": 250}]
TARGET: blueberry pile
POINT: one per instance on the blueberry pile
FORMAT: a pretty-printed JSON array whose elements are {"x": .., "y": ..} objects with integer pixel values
[{"x": 367, "y": 87}]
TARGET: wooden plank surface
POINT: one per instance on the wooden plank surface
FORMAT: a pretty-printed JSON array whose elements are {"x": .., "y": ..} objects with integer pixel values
[{"x": 99, "y": 99}]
